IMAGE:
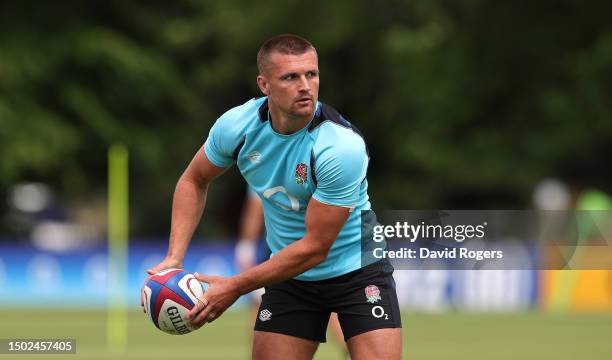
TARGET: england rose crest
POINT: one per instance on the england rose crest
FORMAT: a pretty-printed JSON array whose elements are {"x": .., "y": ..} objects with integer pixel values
[
  {"x": 372, "y": 294},
  {"x": 301, "y": 173}
]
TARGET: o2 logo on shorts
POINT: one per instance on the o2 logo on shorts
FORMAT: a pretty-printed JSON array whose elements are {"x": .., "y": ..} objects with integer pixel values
[
  {"x": 372, "y": 293},
  {"x": 379, "y": 312}
]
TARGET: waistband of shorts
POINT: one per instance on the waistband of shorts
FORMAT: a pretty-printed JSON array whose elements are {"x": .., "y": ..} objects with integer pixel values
[{"x": 382, "y": 264}]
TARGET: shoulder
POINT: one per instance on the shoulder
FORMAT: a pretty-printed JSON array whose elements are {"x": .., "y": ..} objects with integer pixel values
[
  {"x": 229, "y": 132},
  {"x": 240, "y": 119},
  {"x": 339, "y": 160},
  {"x": 334, "y": 135}
]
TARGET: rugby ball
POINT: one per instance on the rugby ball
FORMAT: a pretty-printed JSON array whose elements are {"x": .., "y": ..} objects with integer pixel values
[{"x": 167, "y": 297}]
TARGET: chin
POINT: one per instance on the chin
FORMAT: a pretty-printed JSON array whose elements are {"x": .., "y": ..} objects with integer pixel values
[
  {"x": 302, "y": 114},
  {"x": 304, "y": 111}
]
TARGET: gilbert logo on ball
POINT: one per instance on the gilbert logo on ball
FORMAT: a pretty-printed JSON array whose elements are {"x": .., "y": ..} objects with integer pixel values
[{"x": 168, "y": 296}]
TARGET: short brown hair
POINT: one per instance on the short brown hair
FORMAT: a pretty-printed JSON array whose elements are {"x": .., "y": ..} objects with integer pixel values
[{"x": 285, "y": 44}]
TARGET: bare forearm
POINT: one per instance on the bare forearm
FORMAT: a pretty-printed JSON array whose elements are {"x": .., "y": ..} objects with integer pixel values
[
  {"x": 251, "y": 220},
  {"x": 287, "y": 263},
  {"x": 187, "y": 209},
  {"x": 323, "y": 223}
]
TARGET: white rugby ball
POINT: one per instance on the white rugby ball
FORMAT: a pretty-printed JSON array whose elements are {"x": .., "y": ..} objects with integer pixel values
[{"x": 168, "y": 296}]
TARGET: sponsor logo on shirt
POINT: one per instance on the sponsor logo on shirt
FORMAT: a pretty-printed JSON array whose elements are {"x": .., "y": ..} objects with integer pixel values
[{"x": 254, "y": 156}]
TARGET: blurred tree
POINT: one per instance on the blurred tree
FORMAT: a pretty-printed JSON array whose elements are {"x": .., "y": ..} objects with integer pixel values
[{"x": 463, "y": 104}]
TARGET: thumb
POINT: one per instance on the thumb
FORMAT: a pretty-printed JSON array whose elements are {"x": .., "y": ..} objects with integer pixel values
[
  {"x": 155, "y": 269},
  {"x": 206, "y": 278}
]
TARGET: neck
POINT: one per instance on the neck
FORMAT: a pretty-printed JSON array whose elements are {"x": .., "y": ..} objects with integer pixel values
[{"x": 287, "y": 124}]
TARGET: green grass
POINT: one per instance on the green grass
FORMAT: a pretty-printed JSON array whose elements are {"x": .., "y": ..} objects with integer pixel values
[{"x": 426, "y": 336}]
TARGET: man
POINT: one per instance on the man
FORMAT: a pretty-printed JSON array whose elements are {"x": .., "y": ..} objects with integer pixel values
[{"x": 308, "y": 165}]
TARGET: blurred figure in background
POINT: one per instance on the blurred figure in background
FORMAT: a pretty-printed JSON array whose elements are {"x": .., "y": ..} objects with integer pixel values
[
  {"x": 551, "y": 194},
  {"x": 252, "y": 249},
  {"x": 580, "y": 286}
]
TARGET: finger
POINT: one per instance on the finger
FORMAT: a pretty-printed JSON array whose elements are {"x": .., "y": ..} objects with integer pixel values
[
  {"x": 203, "y": 301},
  {"x": 154, "y": 270},
  {"x": 142, "y": 300},
  {"x": 199, "y": 306},
  {"x": 200, "y": 318},
  {"x": 206, "y": 278},
  {"x": 213, "y": 318}
]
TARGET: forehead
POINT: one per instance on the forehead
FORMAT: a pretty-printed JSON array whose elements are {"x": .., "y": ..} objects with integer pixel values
[{"x": 283, "y": 63}]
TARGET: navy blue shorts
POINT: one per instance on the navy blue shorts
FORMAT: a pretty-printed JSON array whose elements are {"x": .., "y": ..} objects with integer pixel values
[{"x": 364, "y": 300}]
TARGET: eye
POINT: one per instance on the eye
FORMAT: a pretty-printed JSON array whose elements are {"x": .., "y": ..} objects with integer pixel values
[
  {"x": 289, "y": 77},
  {"x": 311, "y": 74}
]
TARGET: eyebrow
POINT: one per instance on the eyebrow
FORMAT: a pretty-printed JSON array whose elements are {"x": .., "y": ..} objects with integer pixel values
[{"x": 296, "y": 73}]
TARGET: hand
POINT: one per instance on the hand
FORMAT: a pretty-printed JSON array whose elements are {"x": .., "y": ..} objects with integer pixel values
[
  {"x": 221, "y": 294},
  {"x": 167, "y": 263}
]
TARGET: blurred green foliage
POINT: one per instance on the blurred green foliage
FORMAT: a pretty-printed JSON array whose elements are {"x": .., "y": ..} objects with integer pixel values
[{"x": 464, "y": 104}]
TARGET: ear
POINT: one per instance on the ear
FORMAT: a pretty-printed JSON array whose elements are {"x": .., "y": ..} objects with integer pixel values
[{"x": 263, "y": 84}]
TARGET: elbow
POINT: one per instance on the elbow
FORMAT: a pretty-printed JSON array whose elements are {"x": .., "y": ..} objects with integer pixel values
[
  {"x": 317, "y": 259},
  {"x": 188, "y": 180},
  {"x": 317, "y": 255}
]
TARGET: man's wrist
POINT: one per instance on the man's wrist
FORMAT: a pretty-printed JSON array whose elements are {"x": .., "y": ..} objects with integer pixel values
[
  {"x": 173, "y": 256},
  {"x": 240, "y": 284}
]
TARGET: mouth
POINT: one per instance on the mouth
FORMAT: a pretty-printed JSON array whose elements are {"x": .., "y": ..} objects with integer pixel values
[{"x": 304, "y": 101}]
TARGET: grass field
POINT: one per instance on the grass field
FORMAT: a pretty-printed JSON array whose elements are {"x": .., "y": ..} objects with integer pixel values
[{"x": 426, "y": 336}]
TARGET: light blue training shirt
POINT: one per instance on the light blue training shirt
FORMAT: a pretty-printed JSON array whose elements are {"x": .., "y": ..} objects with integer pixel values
[{"x": 327, "y": 160}]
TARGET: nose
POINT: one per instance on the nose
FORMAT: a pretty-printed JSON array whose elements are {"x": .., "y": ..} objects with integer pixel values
[{"x": 304, "y": 85}]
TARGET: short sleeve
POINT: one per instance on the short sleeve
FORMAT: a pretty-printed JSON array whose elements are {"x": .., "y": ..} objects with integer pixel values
[
  {"x": 340, "y": 169},
  {"x": 220, "y": 144}
]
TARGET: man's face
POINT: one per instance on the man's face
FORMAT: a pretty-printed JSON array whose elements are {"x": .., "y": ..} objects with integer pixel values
[{"x": 291, "y": 83}]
